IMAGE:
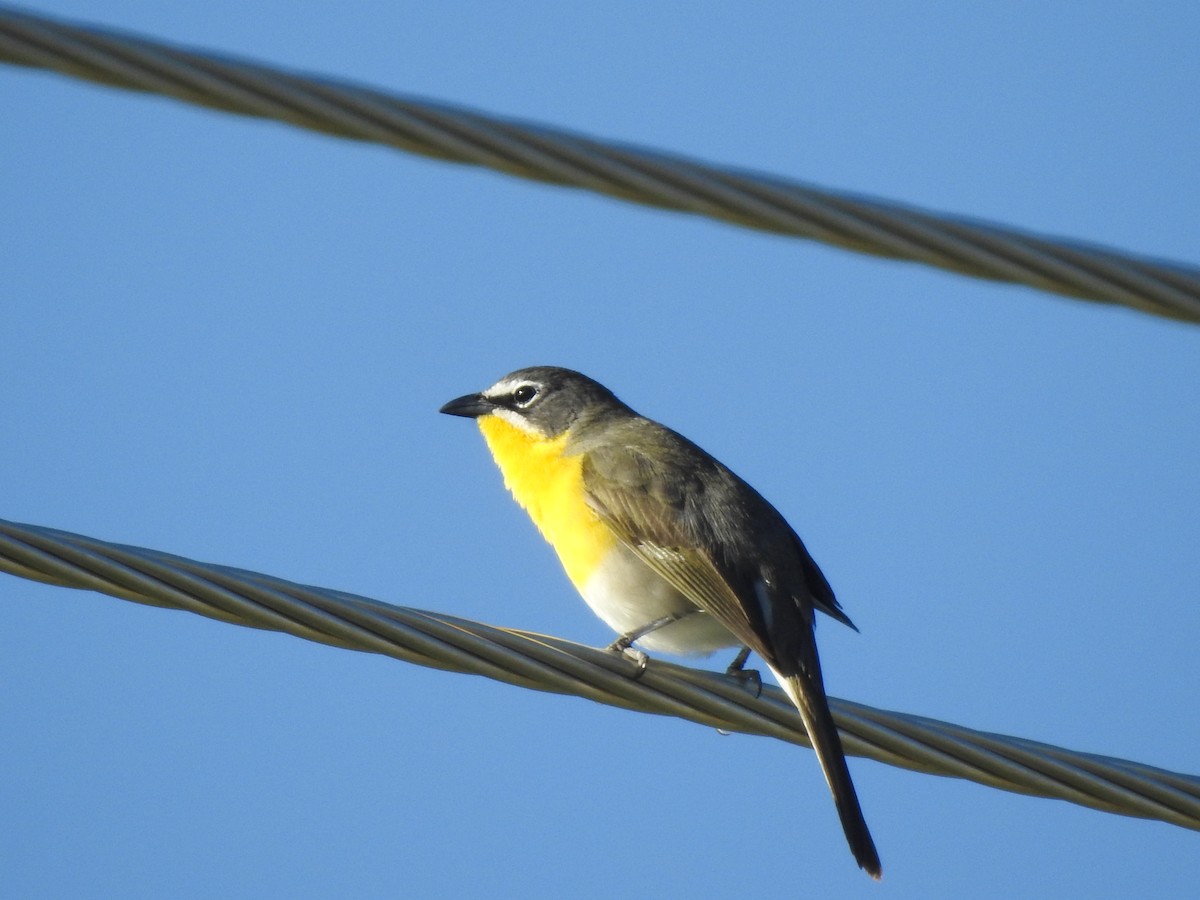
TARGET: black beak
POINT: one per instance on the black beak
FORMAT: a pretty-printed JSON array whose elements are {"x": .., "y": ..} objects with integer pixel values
[{"x": 469, "y": 406}]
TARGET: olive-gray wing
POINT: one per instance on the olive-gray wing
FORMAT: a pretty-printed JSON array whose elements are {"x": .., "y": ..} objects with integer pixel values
[{"x": 648, "y": 499}]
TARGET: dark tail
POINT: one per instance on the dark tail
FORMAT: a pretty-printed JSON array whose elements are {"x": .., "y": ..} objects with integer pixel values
[{"x": 809, "y": 697}]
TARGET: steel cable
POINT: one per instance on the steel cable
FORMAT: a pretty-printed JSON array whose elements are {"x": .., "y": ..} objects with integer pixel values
[
  {"x": 753, "y": 200},
  {"x": 557, "y": 666}
]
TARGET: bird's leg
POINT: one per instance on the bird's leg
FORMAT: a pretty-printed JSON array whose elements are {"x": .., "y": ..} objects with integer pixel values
[
  {"x": 737, "y": 666},
  {"x": 745, "y": 676},
  {"x": 624, "y": 644}
]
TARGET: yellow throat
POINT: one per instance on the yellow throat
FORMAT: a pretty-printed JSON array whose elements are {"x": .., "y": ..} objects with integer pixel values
[{"x": 549, "y": 486}]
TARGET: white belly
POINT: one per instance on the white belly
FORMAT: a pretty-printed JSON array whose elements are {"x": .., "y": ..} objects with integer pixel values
[{"x": 627, "y": 594}]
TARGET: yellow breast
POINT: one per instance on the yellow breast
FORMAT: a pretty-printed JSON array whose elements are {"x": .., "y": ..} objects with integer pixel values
[{"x": 549, "y": 486}]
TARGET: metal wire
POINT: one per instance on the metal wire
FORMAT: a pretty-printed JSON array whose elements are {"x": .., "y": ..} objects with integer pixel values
[
  {"x": 551, "y": 664},
  {"x": 543, "y": 154},
  {"x": 547, "y": 663}
]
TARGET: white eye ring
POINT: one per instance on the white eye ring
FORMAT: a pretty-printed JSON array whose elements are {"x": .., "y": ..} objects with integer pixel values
[{"x": 524, "y": 395}]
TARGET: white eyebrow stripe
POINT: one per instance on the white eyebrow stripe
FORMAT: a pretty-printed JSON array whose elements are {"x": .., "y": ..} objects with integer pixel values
[{"x": 506, "y": 386}]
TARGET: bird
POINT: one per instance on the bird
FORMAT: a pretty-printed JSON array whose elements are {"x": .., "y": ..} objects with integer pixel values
[{"x": 667, "y": 545}]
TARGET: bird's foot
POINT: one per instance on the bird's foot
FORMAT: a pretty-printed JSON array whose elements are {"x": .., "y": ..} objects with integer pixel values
[
  {"x": 750, "y": 679},
  {"x": 747, "y": 677},
  {"x": 638, "y": 658},
  {"x": 623, "y": 646}
]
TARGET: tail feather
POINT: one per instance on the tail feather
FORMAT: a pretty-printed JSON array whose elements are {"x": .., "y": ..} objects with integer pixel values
[{"x": 809, "y": 699}]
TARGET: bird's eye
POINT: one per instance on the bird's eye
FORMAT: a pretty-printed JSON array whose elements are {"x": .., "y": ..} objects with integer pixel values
[{"x": 524, "y": 395}]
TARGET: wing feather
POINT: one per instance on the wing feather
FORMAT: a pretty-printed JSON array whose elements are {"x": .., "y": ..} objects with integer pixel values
[
  {"x": 646, "y": 495},
  {"x": 717, "y": 542}
]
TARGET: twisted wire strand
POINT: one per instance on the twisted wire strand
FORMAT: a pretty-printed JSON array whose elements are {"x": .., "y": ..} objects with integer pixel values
[
  {"x": 657, "y": 179},
  {"x": 554, "y": 665}
]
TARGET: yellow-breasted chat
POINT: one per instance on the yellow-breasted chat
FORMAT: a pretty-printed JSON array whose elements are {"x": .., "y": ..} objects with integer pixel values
[{"x": 668, "y": 546}]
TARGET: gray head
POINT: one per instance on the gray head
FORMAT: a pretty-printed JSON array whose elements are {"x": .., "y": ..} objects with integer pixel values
[{"x": 545, "y": 400}]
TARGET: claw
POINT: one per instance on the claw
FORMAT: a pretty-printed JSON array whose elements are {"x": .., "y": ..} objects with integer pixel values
[
  {"x": 638, "y": 658},
  {"x": 749, "y": 677},
  {"x": 745, "y": 676},
  {"x": 620, "y": 645}
]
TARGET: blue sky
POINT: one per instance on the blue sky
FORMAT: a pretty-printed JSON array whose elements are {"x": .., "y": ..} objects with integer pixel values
[{"x": 228, "y": 339}]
